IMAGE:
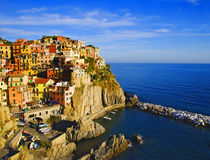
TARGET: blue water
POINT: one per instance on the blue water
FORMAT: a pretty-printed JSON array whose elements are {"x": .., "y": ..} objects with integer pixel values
[{"x": 182, "y": 86}]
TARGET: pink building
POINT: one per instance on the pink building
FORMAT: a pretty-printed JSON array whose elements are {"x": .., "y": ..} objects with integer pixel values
[
  {"x": 62, "y": 93},
  {"x": 15, "y": 80}
]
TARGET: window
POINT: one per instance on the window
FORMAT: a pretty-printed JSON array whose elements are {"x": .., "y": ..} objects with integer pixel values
[
  {"x": 11, "y": 79},
  {"x": 15, "y": 84},
  {"x": 20, "y": 83},
  {"x": 40, "y": 113},
  {"x": 13, "y": 95},
  {"x": 14, "y": 101},
  {"x": 46, "y": 112},
  {"x": 11, "y": 84}
]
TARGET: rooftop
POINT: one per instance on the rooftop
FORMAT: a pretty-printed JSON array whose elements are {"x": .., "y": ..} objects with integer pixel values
[{"x": 41, "y": 80}]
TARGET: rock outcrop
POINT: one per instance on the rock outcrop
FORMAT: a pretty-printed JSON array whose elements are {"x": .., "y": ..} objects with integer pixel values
[
  {"x": 61, "y": 150},
  {"x": 84, "y": 129},
  {"x": 89, "y": 99},
  {"x": 131, "y": 101},
  {"x": 113, "y": 146},
  {"x": 137, "y": 139}
]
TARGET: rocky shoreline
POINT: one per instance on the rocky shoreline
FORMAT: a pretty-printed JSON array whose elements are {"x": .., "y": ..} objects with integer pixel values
[
  {"x": 192, "y": 118},
  {"x": 109, "y": 148}
]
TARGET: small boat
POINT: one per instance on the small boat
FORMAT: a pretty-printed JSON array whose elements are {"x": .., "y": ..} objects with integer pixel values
[
  {"x": 43, "y": 125},
  {"x": 31, "y": 145},
  {"x": 45, "y": 130},
  {"x": 107, "y": 118},
  {"x": 20, "y": 124},
  {"x": 35, "y": 145},
  {"x": 46, "y": 133},
  {"x": 20, "y": 147},
  {"x": 26, "y": 132},
  {"x": 112, "y": 112}
]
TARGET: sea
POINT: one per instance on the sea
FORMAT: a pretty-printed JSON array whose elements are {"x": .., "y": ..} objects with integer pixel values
[{"x": 181, "y": 86}]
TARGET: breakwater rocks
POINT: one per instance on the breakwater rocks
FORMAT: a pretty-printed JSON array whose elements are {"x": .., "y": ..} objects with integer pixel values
[
  {"x": 193, "y": 118},
  {"x": 84, "y": 129},
  {"x": 113, "y": 146}
]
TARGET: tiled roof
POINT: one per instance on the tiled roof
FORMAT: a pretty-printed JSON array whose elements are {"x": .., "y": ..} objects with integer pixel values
[
  {"x": 3, "y": 45},
  {"x": 41, "y": 80}
]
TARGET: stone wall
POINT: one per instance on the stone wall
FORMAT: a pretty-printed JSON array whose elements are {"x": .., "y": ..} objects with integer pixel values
[{"x": 59, "y": 139}]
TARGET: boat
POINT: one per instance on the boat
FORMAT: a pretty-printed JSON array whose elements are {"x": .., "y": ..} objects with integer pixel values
[
  {"x": 112, "y": 112},
  {"x": 48, "y": 132},
  {"x": 35, "y": 145},
  {"x": 26, "y": 132},
  {"x": 31, "y": 145},
  {"x": 20, "y": 147},
  {"x": 107, "y": 118},
  {"x": 45, "y": 130},
  {"x": 20, "y": 124},
  {"x": 42, "y": 125}
]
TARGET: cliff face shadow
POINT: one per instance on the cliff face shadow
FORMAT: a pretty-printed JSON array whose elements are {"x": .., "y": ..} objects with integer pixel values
[{"x": 63, "y": 125}]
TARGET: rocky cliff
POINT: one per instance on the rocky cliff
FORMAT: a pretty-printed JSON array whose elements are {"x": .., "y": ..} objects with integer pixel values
[{"x": 89, "y": 99}]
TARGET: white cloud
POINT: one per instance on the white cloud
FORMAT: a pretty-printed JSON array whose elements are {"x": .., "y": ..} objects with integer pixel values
[
  {"x": 23, "y": 33},
  {"x": 162, "y": 30},
  {"x": 32, "y": 10},
  {"x": 57, "y": 19},
  {"x": 193, "y": 1},
  {"x": 110, "y": 36}
]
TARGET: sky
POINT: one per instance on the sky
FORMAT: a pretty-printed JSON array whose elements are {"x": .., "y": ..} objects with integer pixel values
[{"x": 133, "y": 31}]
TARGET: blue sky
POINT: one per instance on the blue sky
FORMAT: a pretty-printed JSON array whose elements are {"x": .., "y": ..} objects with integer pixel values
[{"x": 160, "y": 31}]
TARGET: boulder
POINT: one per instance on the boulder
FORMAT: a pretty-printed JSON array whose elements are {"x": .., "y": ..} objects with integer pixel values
[
  {"x": 113, "y": 146},
  {"x": 137, "y": 139},
  {"x": 84, "y": 129}
]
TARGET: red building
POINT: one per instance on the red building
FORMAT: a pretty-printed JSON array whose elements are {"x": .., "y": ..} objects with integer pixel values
[{"x": 52, "y": 48}]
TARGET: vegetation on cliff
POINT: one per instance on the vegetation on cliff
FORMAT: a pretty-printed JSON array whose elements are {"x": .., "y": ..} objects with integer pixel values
[
  {"x": 102, "y": 77},
  {"x": 6, "y": 41}
]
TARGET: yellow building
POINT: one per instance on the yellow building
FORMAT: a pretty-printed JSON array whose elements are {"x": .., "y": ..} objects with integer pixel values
[
  {"x": 26, "y": 49},
  {"x": 5, "y": 51},
  {"x": 41, "y": 87}
]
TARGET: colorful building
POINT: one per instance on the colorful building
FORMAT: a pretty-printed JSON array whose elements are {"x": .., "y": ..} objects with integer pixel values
[
  {"x": 5, "y": 51},
  {"x": 19, "y": 96},
  {"x": 15, "y": 80},
  {"x": 90, "y": 51},
  {"x": 62, "y": 93},
  {"x": 41, "y": 87}
]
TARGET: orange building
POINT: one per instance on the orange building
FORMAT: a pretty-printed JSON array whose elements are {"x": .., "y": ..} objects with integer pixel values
[
  {"x": 37, "y": 49},
  {"x": 19, "y": 96}
]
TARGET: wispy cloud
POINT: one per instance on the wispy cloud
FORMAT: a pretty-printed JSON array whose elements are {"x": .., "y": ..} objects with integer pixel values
[
  {"x": 57, "y": 19},
  {"x": 25, "y": 33},
  {"x": 32, "y": 10},
  {"x": 162, "y": 30},
  {"x": 193, "y": 1}
]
